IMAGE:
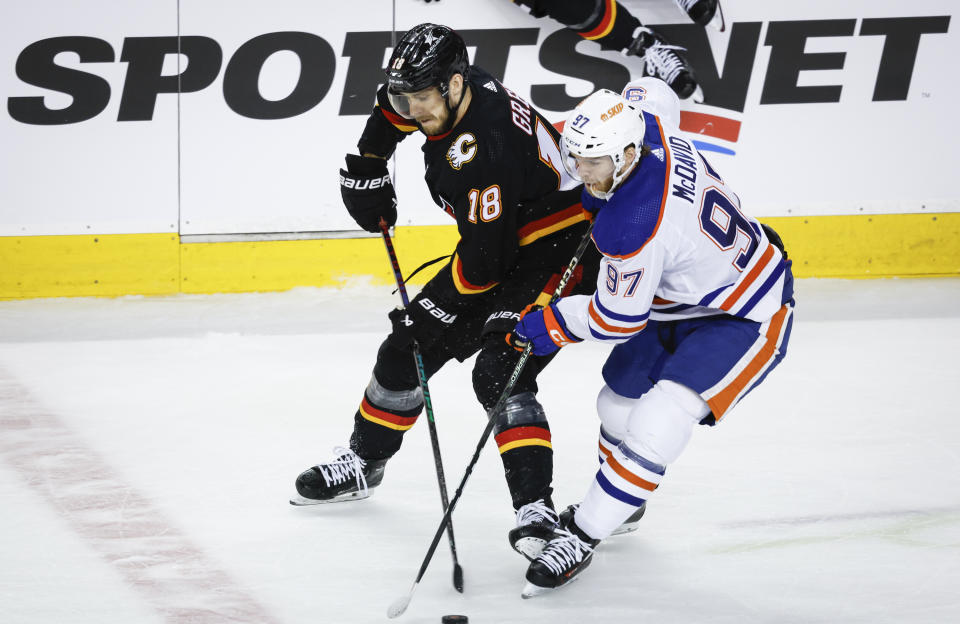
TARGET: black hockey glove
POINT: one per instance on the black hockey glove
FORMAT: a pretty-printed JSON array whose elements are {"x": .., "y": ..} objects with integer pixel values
[
  {"x": 775, "y": 239},
  {"x": 367, "y": 192},
  {"x": 424, "y": 321}
]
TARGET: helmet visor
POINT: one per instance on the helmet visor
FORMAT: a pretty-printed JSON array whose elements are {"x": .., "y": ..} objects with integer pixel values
[
  {"x": 591, "y": 170},
  {"x": 416, "y": 104},
  {"x": 400, "y": 103}
]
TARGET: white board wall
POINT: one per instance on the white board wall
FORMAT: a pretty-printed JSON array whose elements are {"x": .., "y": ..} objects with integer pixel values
[{"x": 273, "y": 94}]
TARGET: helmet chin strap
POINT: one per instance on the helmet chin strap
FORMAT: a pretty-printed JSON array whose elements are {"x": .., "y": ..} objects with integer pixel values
[
  {"x": 618, "y": 179},
  {"x": 451, "y": 110}
]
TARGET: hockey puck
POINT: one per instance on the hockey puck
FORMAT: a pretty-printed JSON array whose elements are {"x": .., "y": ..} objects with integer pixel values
[{"x": 454, "y": 619}]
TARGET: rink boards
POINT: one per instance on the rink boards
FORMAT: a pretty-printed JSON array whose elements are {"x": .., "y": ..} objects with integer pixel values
[
  {"x": 160, "y": 148},
  {"x": 155, "y": 264}
]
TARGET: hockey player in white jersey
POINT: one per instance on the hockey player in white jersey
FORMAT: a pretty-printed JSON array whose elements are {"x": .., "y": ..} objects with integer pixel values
[{"x": 696, "y": 295}]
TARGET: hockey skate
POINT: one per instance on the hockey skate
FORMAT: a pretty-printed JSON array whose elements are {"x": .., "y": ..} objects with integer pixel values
[
  {"x": 704, "y": 12},
  {"x": 346, "y": 478},
  {"x": 665, "y": 62},
  {"x": 629, "y": 525},
  {"x": 565, "y": 556},
  {"x": 537, "y": 523}
]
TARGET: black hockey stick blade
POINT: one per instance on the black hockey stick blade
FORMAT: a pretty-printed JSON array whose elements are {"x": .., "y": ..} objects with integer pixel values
[{"x": 458, "y": 578}]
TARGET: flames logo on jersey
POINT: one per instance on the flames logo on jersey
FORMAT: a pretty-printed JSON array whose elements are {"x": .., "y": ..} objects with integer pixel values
[{"x": 462, "y": 150}]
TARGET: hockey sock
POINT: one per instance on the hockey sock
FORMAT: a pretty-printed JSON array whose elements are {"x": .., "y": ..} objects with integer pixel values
[
  {"x": 607, "y": 22},
  {"x": 658, "y": 428},
  {"x": 614, "y": 411},
  {"x": 606, "y": 445},
  {"x": 523, "y": 438},
  {"x": 621, "y": 486},
  {"x": 611, "y": 25},
  {"x": 382, "y": 419}
]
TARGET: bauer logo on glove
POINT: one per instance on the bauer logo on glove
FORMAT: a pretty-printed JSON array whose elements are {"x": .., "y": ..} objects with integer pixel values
[
  {"x": 367, "y": 192},
  {"x": 424, "y": 321},
  {"x": 545, "y": 329}
]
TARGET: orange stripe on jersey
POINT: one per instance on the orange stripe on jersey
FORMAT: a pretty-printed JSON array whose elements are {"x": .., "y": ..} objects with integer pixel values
[
  {"x": 663, "y": 199},
  {"x": 536, "y": 230},
  {"x": 748, "y": 280},
  {"x": 659, "y": 301},
  {"x": 596, "y": 318},
  {"x": 391, "y": 421},
  {"x": 463, "y": 286},
  {"x": 402, "y": 123},
  {"x": 523, "y": 436},
  {"x": 606, "y": 24},
  {"x": 722, "y": 401},
  {"x": 629, "y": 476},
  {"x": 554, "y": 329}
]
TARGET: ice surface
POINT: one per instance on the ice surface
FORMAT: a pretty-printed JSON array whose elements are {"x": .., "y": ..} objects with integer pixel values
[{"x": 148, "y": 447}]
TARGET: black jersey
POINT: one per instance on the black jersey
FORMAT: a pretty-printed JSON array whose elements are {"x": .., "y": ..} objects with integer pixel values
[{"x": 498, "y": 173}]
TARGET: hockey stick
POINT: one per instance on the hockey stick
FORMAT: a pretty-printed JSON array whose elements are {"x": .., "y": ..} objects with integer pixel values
[
  {"x": 428, "y": 405},
  {"x": 398, "y": 606}
]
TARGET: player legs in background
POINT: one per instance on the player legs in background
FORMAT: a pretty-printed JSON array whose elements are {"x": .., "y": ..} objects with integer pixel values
[
  {"x": 704, "y": 12},
  {"x": 611, "y": 25}
]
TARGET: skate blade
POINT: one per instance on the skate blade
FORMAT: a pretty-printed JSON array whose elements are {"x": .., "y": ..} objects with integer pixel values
[
  {"x": 532, "y": 591},
  {"x": 697, "y": 96},
  {"x": 530, "y": 547},
  {"x": 718, "y": 23},
  {"x": 300, "y": 501},
  {"x": 624, "y": 529}
]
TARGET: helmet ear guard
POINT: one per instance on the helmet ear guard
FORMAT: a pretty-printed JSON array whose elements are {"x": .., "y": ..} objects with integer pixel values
[{"x": 603, "y": 125}]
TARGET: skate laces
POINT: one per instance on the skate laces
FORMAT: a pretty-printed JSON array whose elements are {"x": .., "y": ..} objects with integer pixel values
[
  {"x": 537, "y": 512},
  {"x": 347, "y": 464},
  {"x": 563, "y": 551},
  {"x": 686, "y": 5},
  {"x": 661, "y": 60}
]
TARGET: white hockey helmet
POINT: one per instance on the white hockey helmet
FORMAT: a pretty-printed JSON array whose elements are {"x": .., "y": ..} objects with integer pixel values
[
  {"x": 594, "y": 138},
  {"x": 656, "y": 97}
]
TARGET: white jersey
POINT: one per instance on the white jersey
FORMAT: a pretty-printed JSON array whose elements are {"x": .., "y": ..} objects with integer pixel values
[
  {"x": 675, "y": 245},
  {"x": 654, "y": 96}
]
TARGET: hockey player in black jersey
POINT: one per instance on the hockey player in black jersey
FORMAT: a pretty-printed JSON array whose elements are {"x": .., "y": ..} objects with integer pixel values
[{"x": 493, "y": 164}]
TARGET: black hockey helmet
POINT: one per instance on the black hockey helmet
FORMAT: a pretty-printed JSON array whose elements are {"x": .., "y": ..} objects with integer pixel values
[{"x": 427, "y": 55}]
